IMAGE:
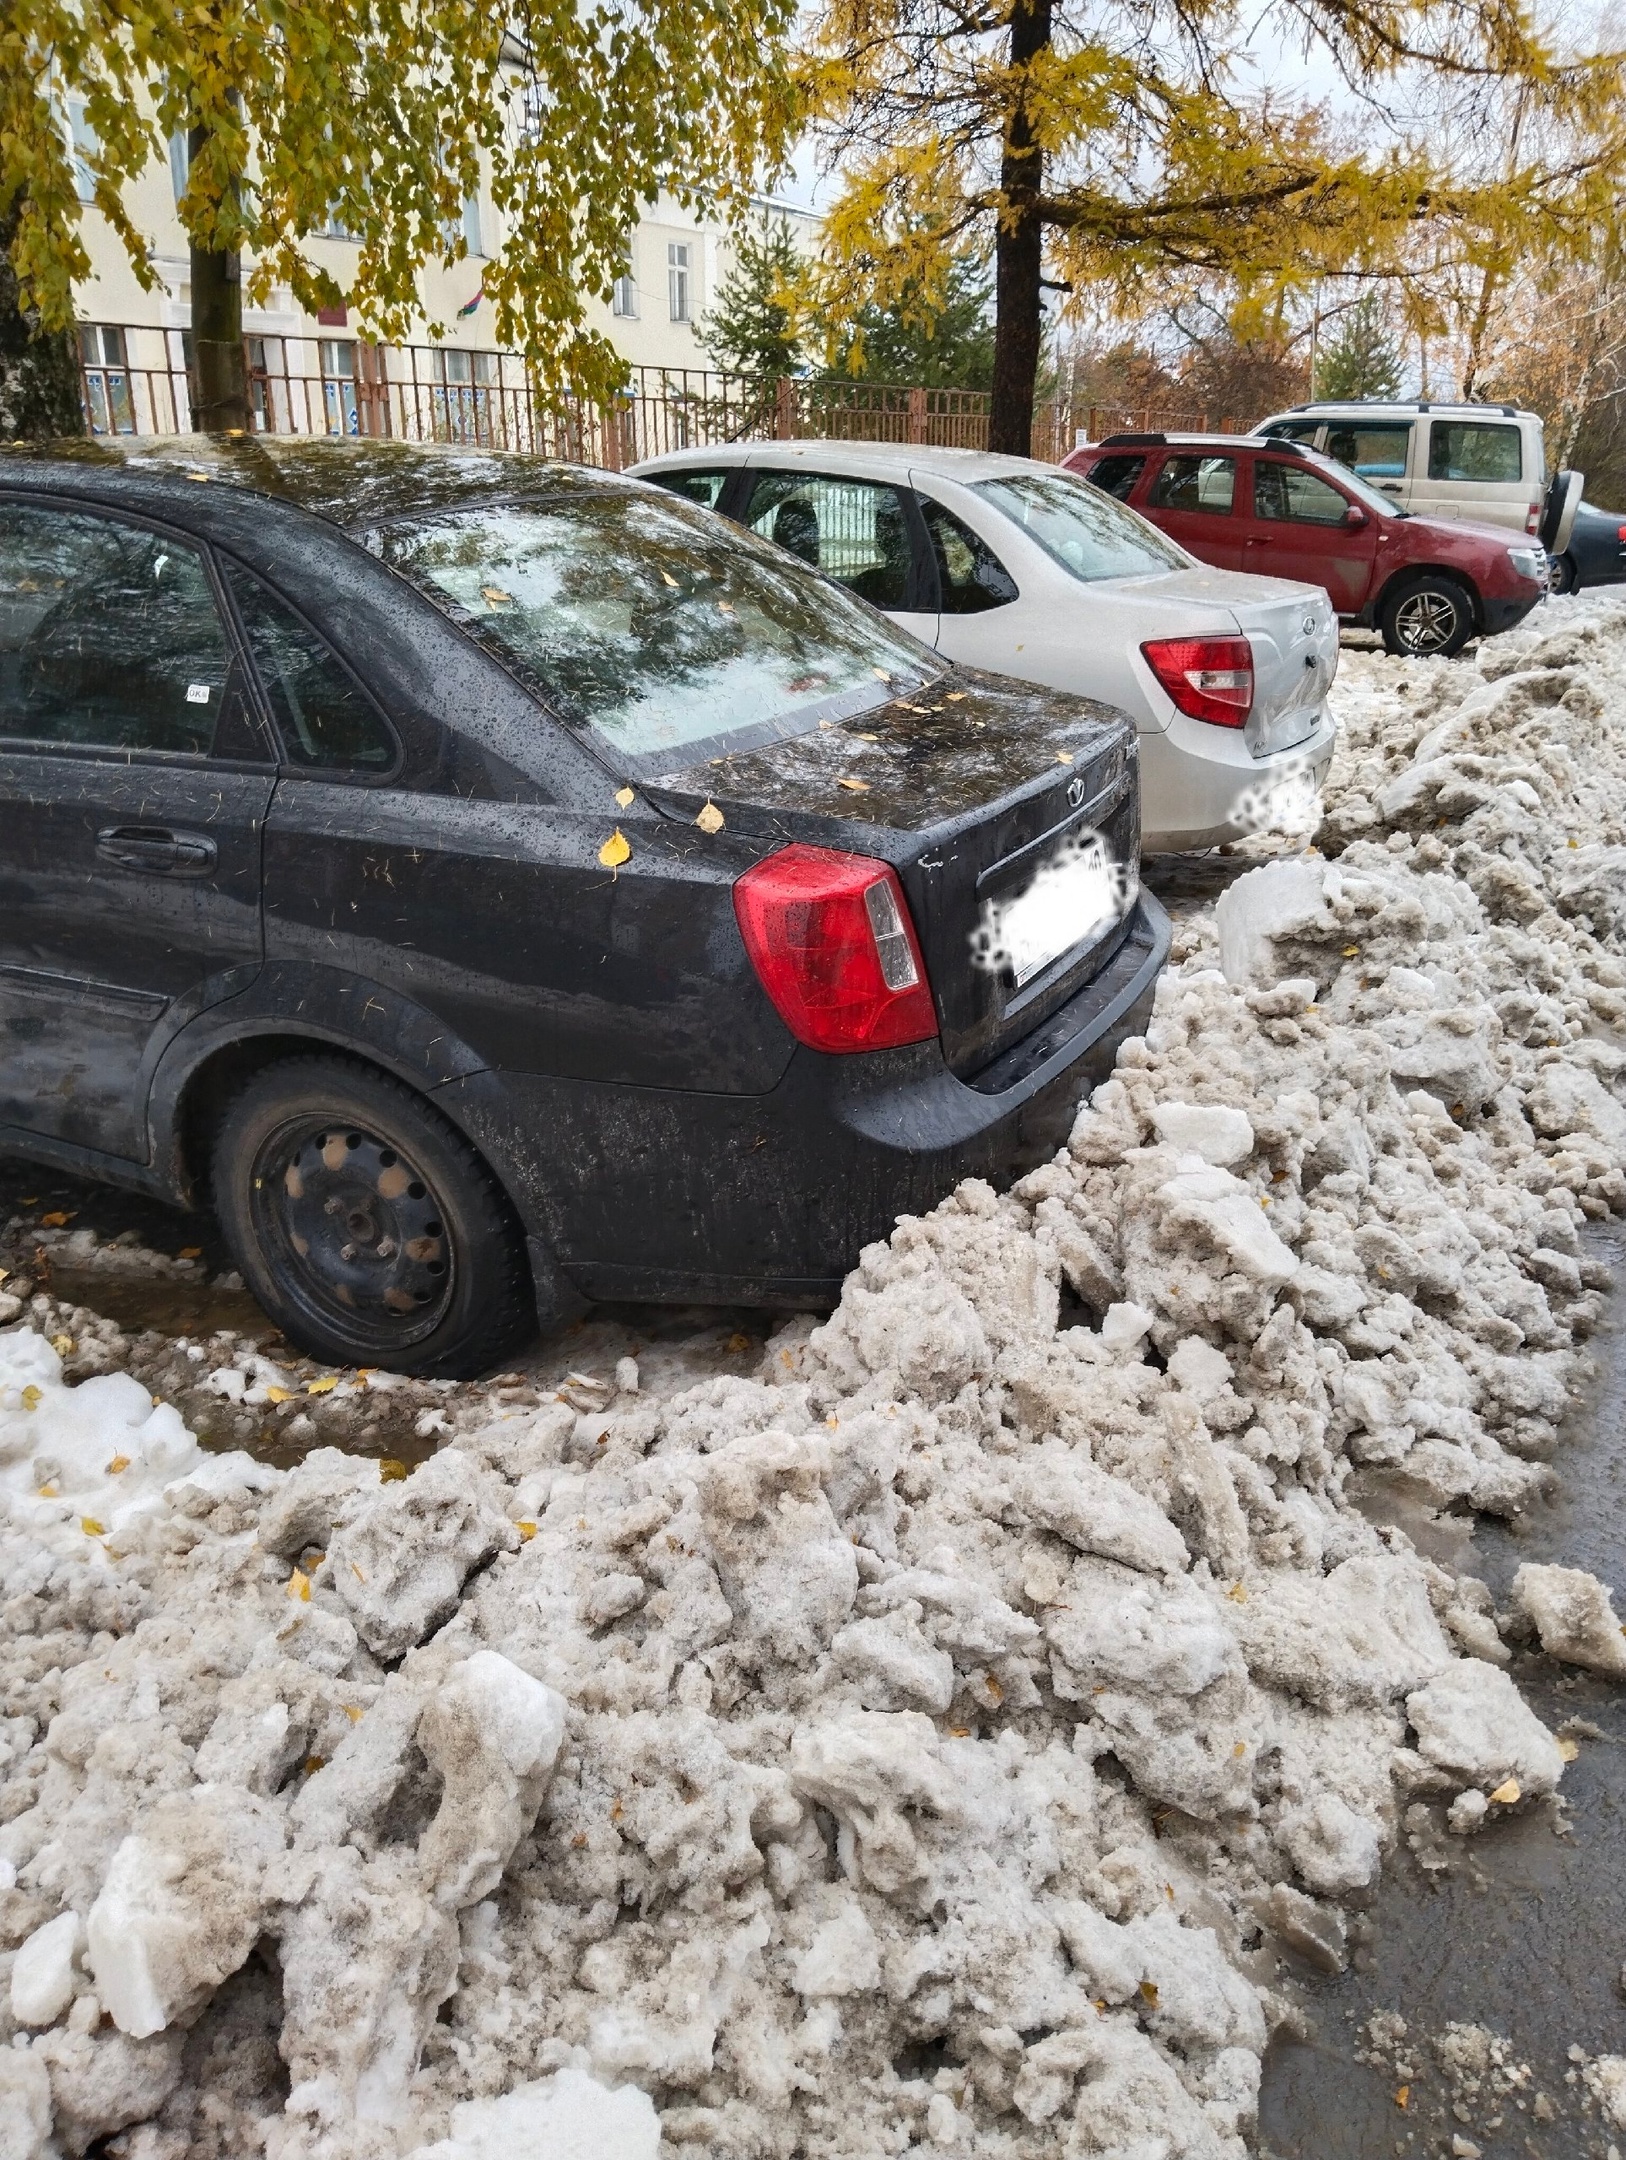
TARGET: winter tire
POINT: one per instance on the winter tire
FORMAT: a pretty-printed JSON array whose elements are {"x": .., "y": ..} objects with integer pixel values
[
  {"x": 1428, "y": 618},
  {"x": 367, "y": 1226}
]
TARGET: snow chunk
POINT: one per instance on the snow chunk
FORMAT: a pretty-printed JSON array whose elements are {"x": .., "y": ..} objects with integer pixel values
[
  {"x": 1474, "y": 1722},
  {"x": 1278, "y": 900},
  {"x": 842, "y": 1958},
  {"x": 1574, "y": 1615},
  {"x": 1214, "y": 1201},
  {"x": 1096, "y": 1512},
  {"x": 25, "y": 2105},
  {"x": 569, "y": 2116},
  {"x": 400, "y": 1564},
  {"x": 42, "y": 1974},
  {"x": 1218, "y": 1134}
]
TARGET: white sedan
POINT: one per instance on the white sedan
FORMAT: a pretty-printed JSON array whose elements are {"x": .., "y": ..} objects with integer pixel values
[{"x": 1006, "y": 564}]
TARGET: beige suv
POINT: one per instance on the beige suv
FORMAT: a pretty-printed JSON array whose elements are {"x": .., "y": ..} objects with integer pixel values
[{"x": 1479, "y": 464}]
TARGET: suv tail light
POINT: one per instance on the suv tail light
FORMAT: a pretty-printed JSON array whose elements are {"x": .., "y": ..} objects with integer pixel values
[
  {"x": 832, "y": 943},
  {"x": 1532, "y": 518},
  {"x": 1209, "y": 678}
]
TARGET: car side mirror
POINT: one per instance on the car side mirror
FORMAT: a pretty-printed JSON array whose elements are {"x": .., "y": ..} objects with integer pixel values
[{"x": 1354, "y": 516}]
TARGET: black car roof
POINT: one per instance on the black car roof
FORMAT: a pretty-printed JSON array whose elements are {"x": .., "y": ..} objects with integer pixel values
[{"x": 350, "y": 482}]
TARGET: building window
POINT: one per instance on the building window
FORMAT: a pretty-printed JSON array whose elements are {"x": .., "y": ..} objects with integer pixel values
[
  {"x": 180, "y": 161},
  {"x": 86, "y": 144},
  {"x": 339, "y": 405},
  {"x": 107, "y": 379},
  {"x": 471, "y": 225},
  {"x": 464, "y": 394},
  {"x": 679, "y": 280},
  {"x": 624, "y": 300}
]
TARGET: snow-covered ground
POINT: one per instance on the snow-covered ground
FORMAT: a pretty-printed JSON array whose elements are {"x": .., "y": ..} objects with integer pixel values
[{"x": 924, "y": 1741}]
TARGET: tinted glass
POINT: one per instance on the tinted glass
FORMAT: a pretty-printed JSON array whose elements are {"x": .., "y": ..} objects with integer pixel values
[
  {"x": 1196, "y": 483},
  {"x": 849, "y": 529},
  {"x": 1376, "y": 453},
  {"x": 1289, "y": 492},
  {"x": 1473, "y": 450},
  {"x": 1293, "y": 430},
  {"x": 658, "y": 628},
  {"x": 1116, "y": 475},
  {"x": 109, "y": 635},
  {"x": 970, "y": 576},
  {"x": 325, "y": 719},
  {"x": 701, "y": 487},
  {"x": 1086, "y": 531}
]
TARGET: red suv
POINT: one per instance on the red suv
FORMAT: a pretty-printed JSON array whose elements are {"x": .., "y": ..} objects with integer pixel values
[{"x": 1247, "y": 503}]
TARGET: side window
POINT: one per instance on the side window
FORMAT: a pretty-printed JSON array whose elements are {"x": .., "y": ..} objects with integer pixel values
[
  {"x": 1196, "y": 483},
  {"x": 971, "y": 577},
  {"x": 1116, "y": 475},
  {"x": 109, "y": 635},
  {"x": 1473, "y": 450},
  {"x": 701, "y": 487},
  {"x": 852, "y": 530},
  {"x": 1376, "y": 453},
  {"x": 1303, "y": 431},
  {"x": 1283, "y": 491},
  {"x": 326, "y": 720}
]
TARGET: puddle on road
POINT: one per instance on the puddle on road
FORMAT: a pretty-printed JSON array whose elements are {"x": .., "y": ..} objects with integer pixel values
[
  {"x": 174, "y": 1304},
  {"x": 1525, "y": 1932}
]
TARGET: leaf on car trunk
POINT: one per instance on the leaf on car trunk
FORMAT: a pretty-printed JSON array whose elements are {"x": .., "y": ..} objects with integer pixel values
[
  {"x": 616, "y": 850},
  {"x": 710, "y": 819}
]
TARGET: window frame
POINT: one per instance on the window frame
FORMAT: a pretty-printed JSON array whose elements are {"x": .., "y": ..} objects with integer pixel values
[
  {"x": 922, "y": 595},
  {"x": 1202, "y": 510},
  {"x": 265, "y": 711},
  {"x": 680, "y": 277},
  {"x": 1337, "y": 524},
  {"x": 239, "y": 671},
  {"x": 1499, "y": 426}
]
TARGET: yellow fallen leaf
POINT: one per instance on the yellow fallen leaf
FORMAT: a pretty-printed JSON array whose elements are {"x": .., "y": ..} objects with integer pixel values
[
  {"x": 190, "y": 1252},
  {"x": 57, "y": 1219},
  {"x": 47, "y": 1492},
  {"x": 737, "y": 1343},
  {"x": 323, "y": 1385},
  {"x": 1572, "y": 843},
  {"x": 616, "y": 850},
  {"x": 1148, "y": 1989},
  {"x": 91, "y": 1527},
  {"x": 527, "y": 1530},
  {"x": 1240, "y": 1749},
  {"x": 391, "y": 1470},
  {"x": 1350, "y": 951},
  {"x": 710, "y": 819},
  {"x": 1403, "y": 2097},
  {"x": 356, "y": 1571},
  {"x": 494, "y": 596},
  {"x": 31, "y": 1397},
  {"x": 62, "y": 1345},
  {"x": 855, "y": 787},
  {"x": 725, "y": 607},
  {"x": 880, "y": 674},
  {"x": 1567, "y": 1747},
  {"x": 118, "y": 1464},
  {"x": 955, "y": 697},
  {"x": 4, "y": 1272},
  {"x": 1507, "y": 1792},
  {"x": 1064, "y": 757},
  {"x": 299, "y": 1585},
  {"x": 625, "y": 797},
  {"x": 668, "y": 579},
  {"x": 279, "y": 1394},
  {"x": 313, "y": 1763},
  {"x": 354, "y": 1712},
  {"x": 1237, "y": 1594}
]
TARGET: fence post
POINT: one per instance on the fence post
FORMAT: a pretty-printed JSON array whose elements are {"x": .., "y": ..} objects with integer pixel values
[
  {"x": 610, "y": 431},
  {"x": 784, "y": 409},
  {"x": 917, "y": 416}
]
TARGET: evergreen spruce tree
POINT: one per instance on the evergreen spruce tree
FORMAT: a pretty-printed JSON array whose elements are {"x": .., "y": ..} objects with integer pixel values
[
  {"x": 944, "y": 344},
  {"x": 1363, "y": 360},
  {"x": 755, "y": 326},
  {"x": 39, "y": 369}
]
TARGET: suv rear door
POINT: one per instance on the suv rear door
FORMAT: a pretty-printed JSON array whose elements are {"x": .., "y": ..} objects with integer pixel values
[
  {"x": 134, "y": 785},
  {"x": 1478, "y": 469},
  {"x": 1379, "y": 451}
]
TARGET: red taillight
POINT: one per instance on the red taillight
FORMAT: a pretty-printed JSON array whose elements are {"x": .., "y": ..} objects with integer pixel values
[
  {"x": 830, "y": 937},
  {"x": 1211, "y": 678},
  {"x": 1532, "y": 520}
]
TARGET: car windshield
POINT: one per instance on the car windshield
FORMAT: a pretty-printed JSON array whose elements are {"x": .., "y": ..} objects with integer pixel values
[
  {"x": 1085, "y": 530},
  {"x": 656, "y": 626}
]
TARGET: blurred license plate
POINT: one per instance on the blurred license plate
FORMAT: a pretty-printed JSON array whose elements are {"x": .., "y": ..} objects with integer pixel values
[{"x": 1077, "y": 893}]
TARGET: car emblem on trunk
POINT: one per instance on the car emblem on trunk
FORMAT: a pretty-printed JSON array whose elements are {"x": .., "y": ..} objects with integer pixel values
[
  {"x": 1309, "y": 626},
  {"x": 1075, "y": 792}
]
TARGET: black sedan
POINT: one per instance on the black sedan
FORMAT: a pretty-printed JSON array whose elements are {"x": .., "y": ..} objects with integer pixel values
[
  {"x": 1595, "y": 553},
  {"x": 494, "y": 885}
]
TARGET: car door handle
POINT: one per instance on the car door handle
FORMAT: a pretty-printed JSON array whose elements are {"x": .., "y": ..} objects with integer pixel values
[
  {"x": 1259, "y": 539},
  {"x": 157, "y": 850}
]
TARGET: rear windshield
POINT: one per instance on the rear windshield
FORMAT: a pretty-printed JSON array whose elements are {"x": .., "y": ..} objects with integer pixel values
[
  {"x": 658, "y": 627},
  {"x": 1087, "y": 532}
]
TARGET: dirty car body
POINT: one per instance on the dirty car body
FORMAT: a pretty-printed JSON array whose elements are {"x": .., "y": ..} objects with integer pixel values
[{"x": 378, "y": 815}]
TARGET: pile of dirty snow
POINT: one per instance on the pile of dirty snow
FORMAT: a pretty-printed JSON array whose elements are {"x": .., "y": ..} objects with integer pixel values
[{"x": 929, "y": 1742}]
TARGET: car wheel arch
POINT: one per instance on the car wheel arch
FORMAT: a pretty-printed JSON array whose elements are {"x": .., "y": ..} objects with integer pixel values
[{"x": 1414, "y": 573}]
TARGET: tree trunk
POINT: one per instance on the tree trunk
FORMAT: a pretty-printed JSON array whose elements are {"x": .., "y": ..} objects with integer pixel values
[
  {"x": 39, "y": 369},
  {"x": 219, "y": 374},
  {"x": 1019, "y": 253}
]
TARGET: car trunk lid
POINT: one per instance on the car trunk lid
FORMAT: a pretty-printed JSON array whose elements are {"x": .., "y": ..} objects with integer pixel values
[
  {"x": 1294, "y": 635},
  {"x": 985, "y": 795}
]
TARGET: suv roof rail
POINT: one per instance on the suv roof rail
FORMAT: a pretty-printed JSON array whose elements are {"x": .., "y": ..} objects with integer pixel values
[{"x": 1117, "y": 442}]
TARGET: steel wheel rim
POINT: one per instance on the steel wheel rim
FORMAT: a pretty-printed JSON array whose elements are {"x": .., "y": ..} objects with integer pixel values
[
  {"x": 1557, "y": 575},
  {"x": 1426, "y": 622},
  {"x": 356, "y": 1229}
]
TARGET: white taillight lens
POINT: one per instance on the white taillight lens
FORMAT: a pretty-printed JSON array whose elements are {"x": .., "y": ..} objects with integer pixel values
[{"x": 898, "y": 969}]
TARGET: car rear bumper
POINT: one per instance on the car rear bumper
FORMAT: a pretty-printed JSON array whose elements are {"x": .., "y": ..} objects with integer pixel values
[
  {"x": 1201, "y": 786},
  {"x": 672, "y": 1195}
]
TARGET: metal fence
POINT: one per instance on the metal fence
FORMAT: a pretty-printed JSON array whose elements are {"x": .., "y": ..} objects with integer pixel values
[{"x": 136, "y": 382}]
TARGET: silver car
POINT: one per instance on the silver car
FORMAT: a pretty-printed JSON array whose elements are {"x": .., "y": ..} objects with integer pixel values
[{"x": 1006, "y": 564}]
